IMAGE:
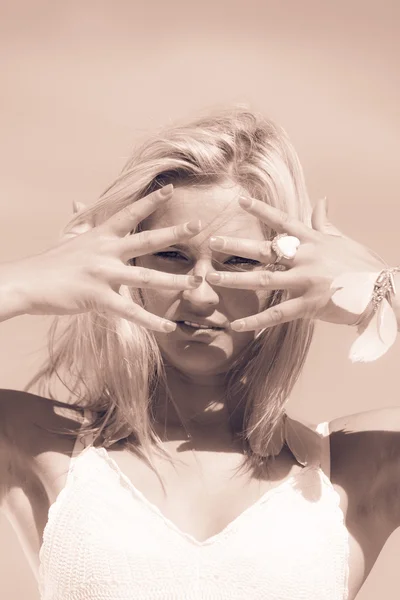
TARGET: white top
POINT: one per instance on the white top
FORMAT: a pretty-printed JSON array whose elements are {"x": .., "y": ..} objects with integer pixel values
[{"x": 105, "y": 541}]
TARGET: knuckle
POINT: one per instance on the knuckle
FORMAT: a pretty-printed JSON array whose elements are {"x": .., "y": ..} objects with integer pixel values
[
  {"x": 265, "y": 248},
  {"x": 144, "y": 276},
  {"x": 145, "y": 238},
  {"x": 150, "y": 197},
  {"x": 96, "y": 269},
  {"x": 133, "y": 312},
  {"x": 232, "y": 244},
  {"x": 275, "y": 314},
  {"x": 131, "y": 212},
  {"x": 231, "y": 278},
  {"x": 265, "y": 278},
  {"x": 257, "y": 322},
  {"x": 104, "y": 244},
  {"x": 285, "y": 220},
  {"x": 179, "y": 231},
  {"x": 178, "y": 282}
]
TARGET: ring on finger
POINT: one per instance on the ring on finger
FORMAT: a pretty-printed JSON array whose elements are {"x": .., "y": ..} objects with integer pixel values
[{"x": 285, "y": 246}]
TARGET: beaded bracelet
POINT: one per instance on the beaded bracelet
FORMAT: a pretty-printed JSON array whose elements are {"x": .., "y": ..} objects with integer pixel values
[
  {"x": 384, "y": 288},
  {"x": 370, "y": 295}
]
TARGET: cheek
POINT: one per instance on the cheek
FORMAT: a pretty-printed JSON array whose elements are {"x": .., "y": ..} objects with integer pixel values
[
  {"x": 264, "y": 298},
  {"x": 159, "y": 302},
  {"x": 246, "y": 302}
]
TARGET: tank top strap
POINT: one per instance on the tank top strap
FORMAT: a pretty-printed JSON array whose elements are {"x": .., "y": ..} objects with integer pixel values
[
  {"x": 83, "y": 440},
  {"x": 308, "y": 443},
  {"x": 325, "y": 462}
]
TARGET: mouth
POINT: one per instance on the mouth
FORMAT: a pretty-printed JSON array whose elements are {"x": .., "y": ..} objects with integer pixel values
[{"x": 191, "y": 326}]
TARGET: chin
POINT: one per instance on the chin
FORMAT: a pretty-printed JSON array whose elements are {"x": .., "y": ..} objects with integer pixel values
[{"x": 199, "y": 359}]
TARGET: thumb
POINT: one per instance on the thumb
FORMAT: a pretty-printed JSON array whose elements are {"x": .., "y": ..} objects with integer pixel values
[
  {"x": 82, "y": 227},
  {"x": 78, "y": 206},
  {"x": 319, "y": 218}
]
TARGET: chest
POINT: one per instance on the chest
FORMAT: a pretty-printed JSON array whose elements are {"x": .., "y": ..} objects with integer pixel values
[
  {"x": 204, "y": 498},
  {"x": 199, "y": 504},
  {"x": 267, "y": 549},
  {"x": 200, "y": 493}
]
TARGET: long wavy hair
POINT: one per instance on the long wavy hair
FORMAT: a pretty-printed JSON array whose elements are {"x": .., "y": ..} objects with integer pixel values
[{"x": 114, "y": 367}]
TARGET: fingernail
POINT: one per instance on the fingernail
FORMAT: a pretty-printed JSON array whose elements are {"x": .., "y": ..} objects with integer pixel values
[
  {"x": 169, "y": 326},
  {"x": 217, "y": 243},
  {"x": 195, "y": 279},
  {"x": 237, "y": 325},
  {"x": 245, "y": 202},
  {"x": 166, "y": 190},
  {"x": 214, "y": 277},
  {"x": 193, "y": 226},
  {"x": 326, "y": 205}
]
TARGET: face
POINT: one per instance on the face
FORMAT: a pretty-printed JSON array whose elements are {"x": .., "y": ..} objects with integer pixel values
[{"x": 191, "y": 350}]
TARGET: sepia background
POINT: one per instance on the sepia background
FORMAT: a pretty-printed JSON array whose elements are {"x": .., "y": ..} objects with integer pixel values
[{"x": 81, "y": 81}]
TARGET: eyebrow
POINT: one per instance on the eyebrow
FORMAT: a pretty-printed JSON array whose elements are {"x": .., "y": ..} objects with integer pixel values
[
  {"x": 180, "y": 246},
  {"x": 188, "y": 249}
]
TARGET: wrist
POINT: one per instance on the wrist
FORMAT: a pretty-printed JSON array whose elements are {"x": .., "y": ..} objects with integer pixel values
[{"x": 396, "y": 299}]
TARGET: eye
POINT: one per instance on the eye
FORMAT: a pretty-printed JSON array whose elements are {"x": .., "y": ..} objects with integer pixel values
[
  {"x": 240, "y": 260},
  {"x": 170, "y": 254}
]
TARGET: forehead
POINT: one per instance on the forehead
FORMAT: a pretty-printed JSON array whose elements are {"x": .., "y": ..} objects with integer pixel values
[{"x": 216, "y": 206}]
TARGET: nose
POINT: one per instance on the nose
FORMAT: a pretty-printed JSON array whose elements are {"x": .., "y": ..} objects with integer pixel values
[{"x": 205, "y": 294}]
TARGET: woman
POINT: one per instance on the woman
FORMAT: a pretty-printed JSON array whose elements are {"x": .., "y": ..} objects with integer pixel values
[{"x": 185, "y": 323}]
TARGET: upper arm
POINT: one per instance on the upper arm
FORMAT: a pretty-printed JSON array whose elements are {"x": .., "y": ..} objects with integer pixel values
[
  {"x": 365, "y": 450},
  {"x": 7, "y": 442},
  {"x": 24, "y": 421}
]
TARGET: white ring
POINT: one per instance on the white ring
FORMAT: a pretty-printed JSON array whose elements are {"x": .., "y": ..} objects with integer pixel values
[{"x": 285, "y": 246}]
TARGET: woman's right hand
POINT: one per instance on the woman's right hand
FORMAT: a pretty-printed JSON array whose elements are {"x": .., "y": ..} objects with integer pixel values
[{"x": 84, "y": 271}]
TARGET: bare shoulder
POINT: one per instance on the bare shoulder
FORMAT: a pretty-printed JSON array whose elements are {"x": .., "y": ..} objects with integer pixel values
[
  {"x": 365, "y": 460},
  {"x": 23, "y": 415},
  {"x": 364, "y": 439},
  {"x": 26, "y": 424},
  {"x": 376, "y": 420}
]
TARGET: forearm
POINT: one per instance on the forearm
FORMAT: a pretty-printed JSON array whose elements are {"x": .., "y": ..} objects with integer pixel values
[{"x": 12, "y": 299}]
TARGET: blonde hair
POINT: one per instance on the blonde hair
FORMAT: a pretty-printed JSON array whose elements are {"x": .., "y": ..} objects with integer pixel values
[{"x": 114, "y": 367}]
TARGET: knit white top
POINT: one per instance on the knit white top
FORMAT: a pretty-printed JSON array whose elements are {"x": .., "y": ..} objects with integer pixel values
[{"x": 105, "y": 541}]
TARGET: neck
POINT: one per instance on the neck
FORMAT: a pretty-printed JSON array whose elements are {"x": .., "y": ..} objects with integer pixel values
[{"x": 200, "y": 402}]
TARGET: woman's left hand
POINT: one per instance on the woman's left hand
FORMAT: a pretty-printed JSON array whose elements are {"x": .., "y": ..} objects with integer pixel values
[{"x": 324, "y": 254}]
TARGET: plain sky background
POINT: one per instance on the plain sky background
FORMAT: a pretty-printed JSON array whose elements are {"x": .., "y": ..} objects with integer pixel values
[{"x": 81, "y": 81}]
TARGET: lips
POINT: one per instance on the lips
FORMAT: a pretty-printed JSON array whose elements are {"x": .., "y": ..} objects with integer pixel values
[{"x": 197, "y": 325}]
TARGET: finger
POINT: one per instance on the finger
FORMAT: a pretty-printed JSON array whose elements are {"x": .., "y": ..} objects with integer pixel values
[
  {"x": 149, "y": 278},
  {"x": 254, "y": 249},
  {"x": 296, "y": 308},
  {"x": 278, "y": 220},
  {"x": 122, "y": 307},
  {"x": 127, "y": 219},
  {"x": 319, "y": 219},
  {"x": 290, "y": 310},
  {"x": 255, "y": 280},
  {"x": 151, "y": 240}
]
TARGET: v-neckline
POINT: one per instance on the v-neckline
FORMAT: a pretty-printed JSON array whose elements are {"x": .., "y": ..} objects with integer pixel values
[{"x": 101, "y": 451}]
